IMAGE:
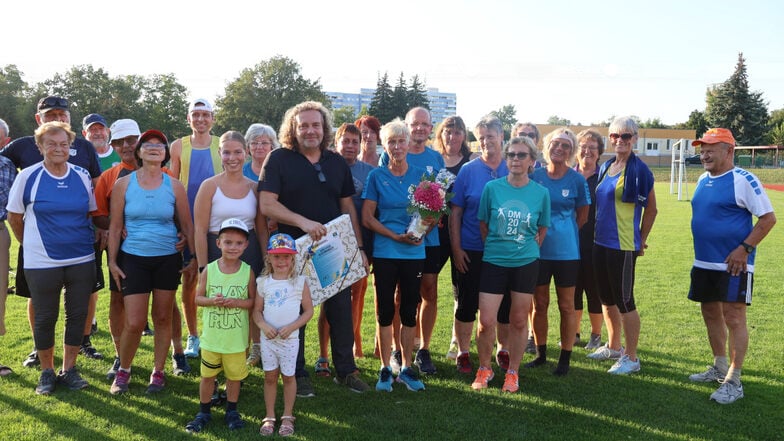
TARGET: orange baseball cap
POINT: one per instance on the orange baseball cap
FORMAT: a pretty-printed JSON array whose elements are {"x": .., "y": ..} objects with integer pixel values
[{"x": 715, "y": 136}]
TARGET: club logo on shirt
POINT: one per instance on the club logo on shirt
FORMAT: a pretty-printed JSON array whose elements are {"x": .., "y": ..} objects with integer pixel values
[
  {"x": 565, "y": 192},
  {"x": 61, "y": 184},
  {"x": 72, "y": 152}
]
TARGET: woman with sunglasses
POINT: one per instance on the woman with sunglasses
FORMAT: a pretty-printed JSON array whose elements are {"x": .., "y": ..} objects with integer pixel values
[
  {"x": 146, "y": 207},
  {"x": 514, "y": 214},
  {"x": 398, "y": 258},
  {"x": 560, "y": 253},
  {"x": 625, "y": 211}
]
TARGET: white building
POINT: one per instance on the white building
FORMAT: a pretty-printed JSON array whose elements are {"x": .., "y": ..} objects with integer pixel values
[{"x": 442, "y": 104}]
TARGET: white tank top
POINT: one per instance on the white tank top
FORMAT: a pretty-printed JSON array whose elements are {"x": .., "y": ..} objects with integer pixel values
[{"x": 223, "y": 207}]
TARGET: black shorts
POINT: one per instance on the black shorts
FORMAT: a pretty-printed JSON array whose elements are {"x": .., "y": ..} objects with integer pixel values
[
  {"x": 720, "y": 286},
  {"x": 22, "y": 290},
  {"x": 614, "y": 271},
  {"x": 564, "y": 272},
  {"x": 144, "y": 274},
  {"x": 432, "y": 260},
  {"x": 499, "y": 279}
]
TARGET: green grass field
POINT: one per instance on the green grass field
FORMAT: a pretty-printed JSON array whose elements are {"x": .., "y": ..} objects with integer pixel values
[{"x": 659, "y": 403}]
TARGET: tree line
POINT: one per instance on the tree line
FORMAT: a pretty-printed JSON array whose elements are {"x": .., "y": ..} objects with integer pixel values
[{"x": 264, "y": 92}]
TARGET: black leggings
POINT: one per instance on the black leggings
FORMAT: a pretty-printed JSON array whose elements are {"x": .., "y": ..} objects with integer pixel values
[
  {"x": 45, "y": 286},
  {"x": 388, "y": 273}
]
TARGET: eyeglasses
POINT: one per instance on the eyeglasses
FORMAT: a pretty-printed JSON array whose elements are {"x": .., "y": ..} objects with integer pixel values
[
  {"x": 150, "y": 146},
  {"x": 256, "y": 144},
  {"x": 130, "y": 140},
  {"x": 561, "y": 144},
  {"x": 321, "y": 176},
  {"x": 623, "y": 136},
  {"x": 516, "y": 155}
]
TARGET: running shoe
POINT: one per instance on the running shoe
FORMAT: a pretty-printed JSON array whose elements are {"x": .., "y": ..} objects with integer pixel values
[
  {"x": 625, "y": 366},
  {"x": 463, "y": 363},
  {"x": 453, "y": 351},
  {"x": 424, "y": 362},
  {"x": 728, "y": 392},
  {"x": 502, "y": 359},
  {"x": 605, "y": 353},
  {"x": 712, "y": 374},
  {"x": 46, "y": 383},
  {"x": 483, "y": 377},
  {"x": 72, "y": 379},
  {"x": 511, "y": 383},
  {"x": 120, "y": 383},
  {"x": 409, "y": 377},
  {"x": 384, "y": 383},
  {"x": 192, "y": 348},
  {"x": 157, "y": 382}
]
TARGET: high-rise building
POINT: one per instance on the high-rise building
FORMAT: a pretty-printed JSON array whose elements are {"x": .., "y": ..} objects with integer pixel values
[{"x": 442, "y": 104}]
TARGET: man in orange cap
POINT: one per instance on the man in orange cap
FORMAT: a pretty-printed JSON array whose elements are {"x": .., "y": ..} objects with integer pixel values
[{"x": 725, "y": 242}]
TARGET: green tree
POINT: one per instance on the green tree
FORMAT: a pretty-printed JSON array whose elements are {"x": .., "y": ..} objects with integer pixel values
[
  {"x": 17, "y": 104},
  {"x": 381, "y": 104},
  {"x": 88, "y": 89},
  {"x": 508, "y": 116},
  {"x": 696, "y": 121},
  {"x": 363, "y": 111},
  {"x": 731, "y": 105},
  {"x": 654, "y": 123},
  {"x": 342, "y": 115},
  {"x": 262, "y": 94},
  {"x": 556, "y": 120},
  {"x": 400, "y": 103},
  {"x": 417, "y": 94},
  {"x": 776, "y": 135},
  {"x": 162, "y": 105}
]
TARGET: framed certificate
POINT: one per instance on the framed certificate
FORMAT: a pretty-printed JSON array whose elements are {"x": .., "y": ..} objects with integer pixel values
[{"x": 331, "y": 264}]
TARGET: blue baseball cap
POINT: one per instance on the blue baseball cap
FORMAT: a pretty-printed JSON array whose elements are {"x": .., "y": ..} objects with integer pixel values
[{"x": 92, "y": 119}]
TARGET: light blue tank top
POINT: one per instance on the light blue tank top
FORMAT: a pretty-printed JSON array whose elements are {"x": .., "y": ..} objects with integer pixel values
[{"x": 149, "y": 219}]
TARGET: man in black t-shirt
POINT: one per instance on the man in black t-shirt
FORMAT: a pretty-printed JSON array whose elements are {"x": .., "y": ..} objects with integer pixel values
[{"x": 303, "y": 186}]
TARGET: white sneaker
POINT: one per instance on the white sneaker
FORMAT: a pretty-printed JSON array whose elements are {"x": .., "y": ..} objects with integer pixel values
[
  {"x": 595, "y": 342},
  {"x": 728, "y": 392},
  {"x": 451, "y": 354},
  {"x": 712, "y": 374},
  {"x": 625, "y": 366},
  {"x": 605, "y": 353}
]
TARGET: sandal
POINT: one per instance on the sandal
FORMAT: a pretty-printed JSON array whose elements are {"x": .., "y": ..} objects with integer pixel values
[
  {"x": 286, "y": 425},
  {"x": 267, "y": 426},
  {"x": 322, "y": 367},
  {"x": 5, "y": 370}
]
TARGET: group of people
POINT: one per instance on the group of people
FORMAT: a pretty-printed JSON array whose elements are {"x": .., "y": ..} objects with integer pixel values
[{"x": 214, "y": 213}]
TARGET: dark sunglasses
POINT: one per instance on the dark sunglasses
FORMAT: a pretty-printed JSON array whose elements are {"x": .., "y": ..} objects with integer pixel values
[
  {"x": 518, "y": 155},
  {"x": 623, "y": 136},
  {"x": 53, "y": 101},
  {"x": 531, "y": 135},
  {"x": 321, "y": 176}
]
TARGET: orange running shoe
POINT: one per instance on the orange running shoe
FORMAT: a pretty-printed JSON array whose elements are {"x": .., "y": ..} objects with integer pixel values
[
  {"x": 511, "y": 384},
  {"x": 483, "y": 376}
]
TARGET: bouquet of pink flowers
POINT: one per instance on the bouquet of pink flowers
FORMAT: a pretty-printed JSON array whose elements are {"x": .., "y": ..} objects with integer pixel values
[{"x": 428, "y": 200}]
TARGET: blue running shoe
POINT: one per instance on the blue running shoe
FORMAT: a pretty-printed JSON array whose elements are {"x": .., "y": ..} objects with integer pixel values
[
  {"x": 384, "y": 383},
  {"x": 410, "y": 378},
  {"x": 192, "y": 348}
]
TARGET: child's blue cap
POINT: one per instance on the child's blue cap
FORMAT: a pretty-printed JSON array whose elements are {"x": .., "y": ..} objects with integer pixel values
[{"x": 281, "y": 244}]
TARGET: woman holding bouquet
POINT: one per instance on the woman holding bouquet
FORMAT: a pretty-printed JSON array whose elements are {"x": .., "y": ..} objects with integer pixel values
[
  {"x": 514, "y": 213},
  {"x": 398, "y": 258}
]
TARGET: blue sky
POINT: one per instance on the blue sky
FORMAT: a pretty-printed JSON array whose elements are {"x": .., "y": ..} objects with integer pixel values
[{"x": 583, "y": 61}]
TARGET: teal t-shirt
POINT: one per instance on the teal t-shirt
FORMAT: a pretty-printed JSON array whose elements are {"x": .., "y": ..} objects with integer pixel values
[{"x": 513, "y": 216}]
